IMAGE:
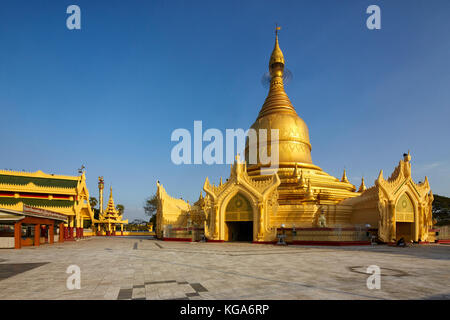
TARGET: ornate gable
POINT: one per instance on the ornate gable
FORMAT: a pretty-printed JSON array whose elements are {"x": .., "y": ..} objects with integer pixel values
[
  {"x": 256, "y": 189},
  {"x": 401, "y": 181}
]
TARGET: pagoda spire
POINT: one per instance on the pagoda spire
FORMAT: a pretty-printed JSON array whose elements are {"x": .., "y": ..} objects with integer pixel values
[
  {"x": 277, "y": 54},
  {"x": 362, "y": 187},
  {"x": 344, "y": 177},
  {"x": 277, "y": 99},
  {"x": 110, "y": 208}
]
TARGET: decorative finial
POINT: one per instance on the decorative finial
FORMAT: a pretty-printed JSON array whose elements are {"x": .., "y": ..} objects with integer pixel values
[
  {"x": 309, "y": 191},
  {"x": 344, "y": 177},
  {"x": 362, "y": 187},
  {"x": 407, "y": 157},
  {"x": 277, "y": 28},
  {"x": 276, "y": 62},
  {"x": 81, "y": 170},
  {"x": 295, "y": 173},
  {"x": 380, "y": 176},
  {"x": 302, "y": 180},
  {"x": 101, "y": 182}
]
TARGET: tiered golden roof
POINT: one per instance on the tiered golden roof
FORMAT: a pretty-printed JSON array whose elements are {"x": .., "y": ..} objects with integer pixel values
[
  {"x": 111, "y": 210},
  {"x": 111, "y": 217},
  {"x": 60, "y": 193}
]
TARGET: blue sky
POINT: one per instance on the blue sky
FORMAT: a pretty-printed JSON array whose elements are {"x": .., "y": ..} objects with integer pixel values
[{"x": 109, "y": 95}]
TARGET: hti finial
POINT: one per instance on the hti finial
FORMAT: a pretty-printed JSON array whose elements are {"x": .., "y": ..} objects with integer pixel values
[
  {"x": 276, "y": 29},
  {"x": 407, "y": 157},
  {"x": 276, "y": 62}
]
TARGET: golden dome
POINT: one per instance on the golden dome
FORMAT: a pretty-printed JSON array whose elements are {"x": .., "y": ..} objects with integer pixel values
[{"x": 278, "y": 112}]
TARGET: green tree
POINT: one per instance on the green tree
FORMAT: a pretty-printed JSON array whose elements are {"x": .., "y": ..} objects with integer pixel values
[
  {"x": 96, "y": 213},
  {"x": 120, "y": 208},
  {"x": 93, "y": 202},
  {"x": 153, "y": 220},
  {"x": 441, "y": 209},
  {"x": 150, "y": 206}
]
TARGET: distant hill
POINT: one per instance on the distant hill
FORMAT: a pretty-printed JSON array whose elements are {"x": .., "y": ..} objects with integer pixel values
[{"x": 441, "y": 210}]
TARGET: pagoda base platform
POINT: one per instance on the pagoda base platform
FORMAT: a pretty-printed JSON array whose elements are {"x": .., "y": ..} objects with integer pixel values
[
  {"x": 331, "y": 243},
  {"x": 178, "y": 239}
]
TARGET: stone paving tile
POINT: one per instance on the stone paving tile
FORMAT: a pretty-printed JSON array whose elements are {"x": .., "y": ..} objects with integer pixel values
[
  {"x": 125, "y": 294},
  {"x": 112, "y": 293},
  {"x": 116, "y": 268}
]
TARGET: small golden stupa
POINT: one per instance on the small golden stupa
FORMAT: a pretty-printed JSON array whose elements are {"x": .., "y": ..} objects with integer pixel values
[{"x": 109, "y": 218}]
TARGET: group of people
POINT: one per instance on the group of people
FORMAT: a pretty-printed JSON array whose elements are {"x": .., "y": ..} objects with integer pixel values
[{"x": 402, "y": 242}]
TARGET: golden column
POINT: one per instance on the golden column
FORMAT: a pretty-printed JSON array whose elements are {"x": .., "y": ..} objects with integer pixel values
[
  {"x": 392, "y": 222},
  {"x": 216, "y": 222},
  {"x": 418, "y": 221},
  {"x": 260, "y": 221},
  {"x": 101, "y": 186}
]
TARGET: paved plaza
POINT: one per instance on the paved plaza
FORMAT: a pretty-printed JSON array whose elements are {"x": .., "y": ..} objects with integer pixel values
[{"x": 143, "y": 268}]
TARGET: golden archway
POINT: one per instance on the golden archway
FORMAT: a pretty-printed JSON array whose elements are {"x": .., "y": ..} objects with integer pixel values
[
  {"x": 404, "y": 218},
  {"x": 404, "y": 210},
  {"x": 239, "y": 209},
  {"x": 239, "y": 219}
]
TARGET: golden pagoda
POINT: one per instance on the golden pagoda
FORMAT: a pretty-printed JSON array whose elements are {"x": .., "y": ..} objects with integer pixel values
[
  {"x": 299, "y": 199},
  {"x": 109, "y": 218}
]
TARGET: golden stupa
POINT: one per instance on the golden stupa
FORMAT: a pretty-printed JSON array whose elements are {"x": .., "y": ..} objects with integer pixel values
[
  {"x": 299, "y": 200},
  {"x": 294, "y": 145},
  {"x": 278, "y": 112}
]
